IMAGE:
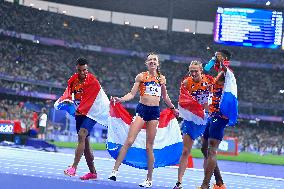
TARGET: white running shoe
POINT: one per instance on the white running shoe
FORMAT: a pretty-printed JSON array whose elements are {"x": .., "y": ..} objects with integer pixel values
[
  {"x": 113, "y": 175},
  {"x": 146, "y": 184}
]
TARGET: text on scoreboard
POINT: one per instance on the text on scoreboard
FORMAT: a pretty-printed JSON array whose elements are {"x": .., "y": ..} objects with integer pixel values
[{"x": 248, "y": 27}]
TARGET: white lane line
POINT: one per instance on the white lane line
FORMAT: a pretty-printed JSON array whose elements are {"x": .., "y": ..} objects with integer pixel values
[{"x": 108, "y": 159}]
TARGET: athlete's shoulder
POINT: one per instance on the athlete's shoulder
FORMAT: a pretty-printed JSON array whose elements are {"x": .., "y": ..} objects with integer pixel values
[
  {"x": 184, "y": 81},
  {"x": 72, "y": 78},
  {"x": 139, "y": 77},
  {"x": 91, "y": 80},
  {"x": 143, "y": 74},
  {"x": 209, "y": 78},
  {"x": 162, "y": 77},
  {"x": 92, "y": 77},
  {"x": 187, "y": 80}
]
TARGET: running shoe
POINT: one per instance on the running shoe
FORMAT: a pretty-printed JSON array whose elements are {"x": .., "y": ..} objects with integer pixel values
[
  {"x": 89, "y": 176},
  {"x": 70, "y": 171},
  {"x": 215, "y": 186},
  {"x": 178, "y": 186},
  {"x": 113, "y": 175},
  {"x": 146, "y": 184}
]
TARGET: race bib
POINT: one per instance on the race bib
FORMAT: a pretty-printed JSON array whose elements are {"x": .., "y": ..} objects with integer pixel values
[
  {"x": 203, "y": 98},
  {"x": 153, "y": 89},
  {"x": 210, "y": 98}
]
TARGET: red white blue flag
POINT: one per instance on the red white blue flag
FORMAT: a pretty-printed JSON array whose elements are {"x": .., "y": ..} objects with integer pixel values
[
  {"x": 94, "y": 102},
  {"x": 190, "y": 109},
  {"x": 167, "y": 144}
]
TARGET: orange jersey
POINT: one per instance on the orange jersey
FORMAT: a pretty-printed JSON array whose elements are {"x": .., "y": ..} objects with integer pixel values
[
  {"x": 150, "y": 85},
  {"x": 215, "y": 98},
  {"x": 77, "y": 90},
  {"x": 200, "y": 90}
]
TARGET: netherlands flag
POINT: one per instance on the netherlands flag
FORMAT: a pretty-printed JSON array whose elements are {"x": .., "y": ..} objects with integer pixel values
[
  {"x": 229, "y": 99},
  {"x": 190, "y": 109},
  {"x": 94, "y": 103},
  {"x": 167, "y": 144}
]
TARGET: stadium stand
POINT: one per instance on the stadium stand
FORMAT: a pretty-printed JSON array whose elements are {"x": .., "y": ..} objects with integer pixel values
[
  {"x": 180, "y": 7},
  {"x": 72, "y": 29}
]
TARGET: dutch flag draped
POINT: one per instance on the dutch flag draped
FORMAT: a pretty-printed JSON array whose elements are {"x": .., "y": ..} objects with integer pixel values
[
  {"x": 94, "y": 103},
  {"x": 229, "y": 99},
  {"x": 167, "y": 144},
  {"x": 190, "y": 109}
]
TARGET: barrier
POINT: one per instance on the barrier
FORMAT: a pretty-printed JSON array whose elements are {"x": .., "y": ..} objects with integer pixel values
[
  {"x": 229, "y": 146},
  {"x": 10, "y": 127},
  {"x": 190, "y": 162},
  {"x": 38, "y": 143}
]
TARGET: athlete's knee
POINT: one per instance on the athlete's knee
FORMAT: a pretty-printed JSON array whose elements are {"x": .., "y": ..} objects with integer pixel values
[
  {"x": 212, "y": 152},
  {"x": 129, "y": 141},
  {"x": 149, "y": 146},
  {"x": 185, "y": 152},
  {"x": 204, "y": 150},
  {"x": 82, "y": 135}
]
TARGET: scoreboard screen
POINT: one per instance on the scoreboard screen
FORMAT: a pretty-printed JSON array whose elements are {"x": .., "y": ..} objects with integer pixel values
[
  {"x": 248, "y": 27},
  {"x": 283, "y": 42}
]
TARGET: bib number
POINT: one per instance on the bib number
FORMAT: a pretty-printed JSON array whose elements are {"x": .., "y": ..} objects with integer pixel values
[{"x": 153, "y": 90}]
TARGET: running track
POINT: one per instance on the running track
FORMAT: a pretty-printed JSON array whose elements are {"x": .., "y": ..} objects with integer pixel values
[{"x": 31, "y": 169}]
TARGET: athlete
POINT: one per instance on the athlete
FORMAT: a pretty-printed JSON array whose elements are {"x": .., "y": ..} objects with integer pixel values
[
  {"x": 198, "y": 86},
  {"x": 151, "y": 85},
  {"x": 216, "y": 124},
  {"x": 82, "y": 89}
]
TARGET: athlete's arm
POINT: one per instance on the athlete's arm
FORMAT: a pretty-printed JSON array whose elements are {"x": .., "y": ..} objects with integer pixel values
[
  {"x": 185, "y": 82},
  {"x": 132, "y": 93},
  {"x": 166, "y": 97}
]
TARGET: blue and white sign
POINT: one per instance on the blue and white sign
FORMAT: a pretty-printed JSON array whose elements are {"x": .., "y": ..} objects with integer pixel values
[{"x": 6, "y": 128}]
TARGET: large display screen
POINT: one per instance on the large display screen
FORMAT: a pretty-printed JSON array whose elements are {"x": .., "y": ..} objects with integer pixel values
[{"x": 248, "y": 27}]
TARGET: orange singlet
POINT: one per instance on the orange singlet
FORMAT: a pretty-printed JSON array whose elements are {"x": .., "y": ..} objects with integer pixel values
[
  {"x": 214, "y": 102},
  {"x": 77, "y": 91},
  {"x": 200, "y": 90},
  {"x": 150, "y": 85}
]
